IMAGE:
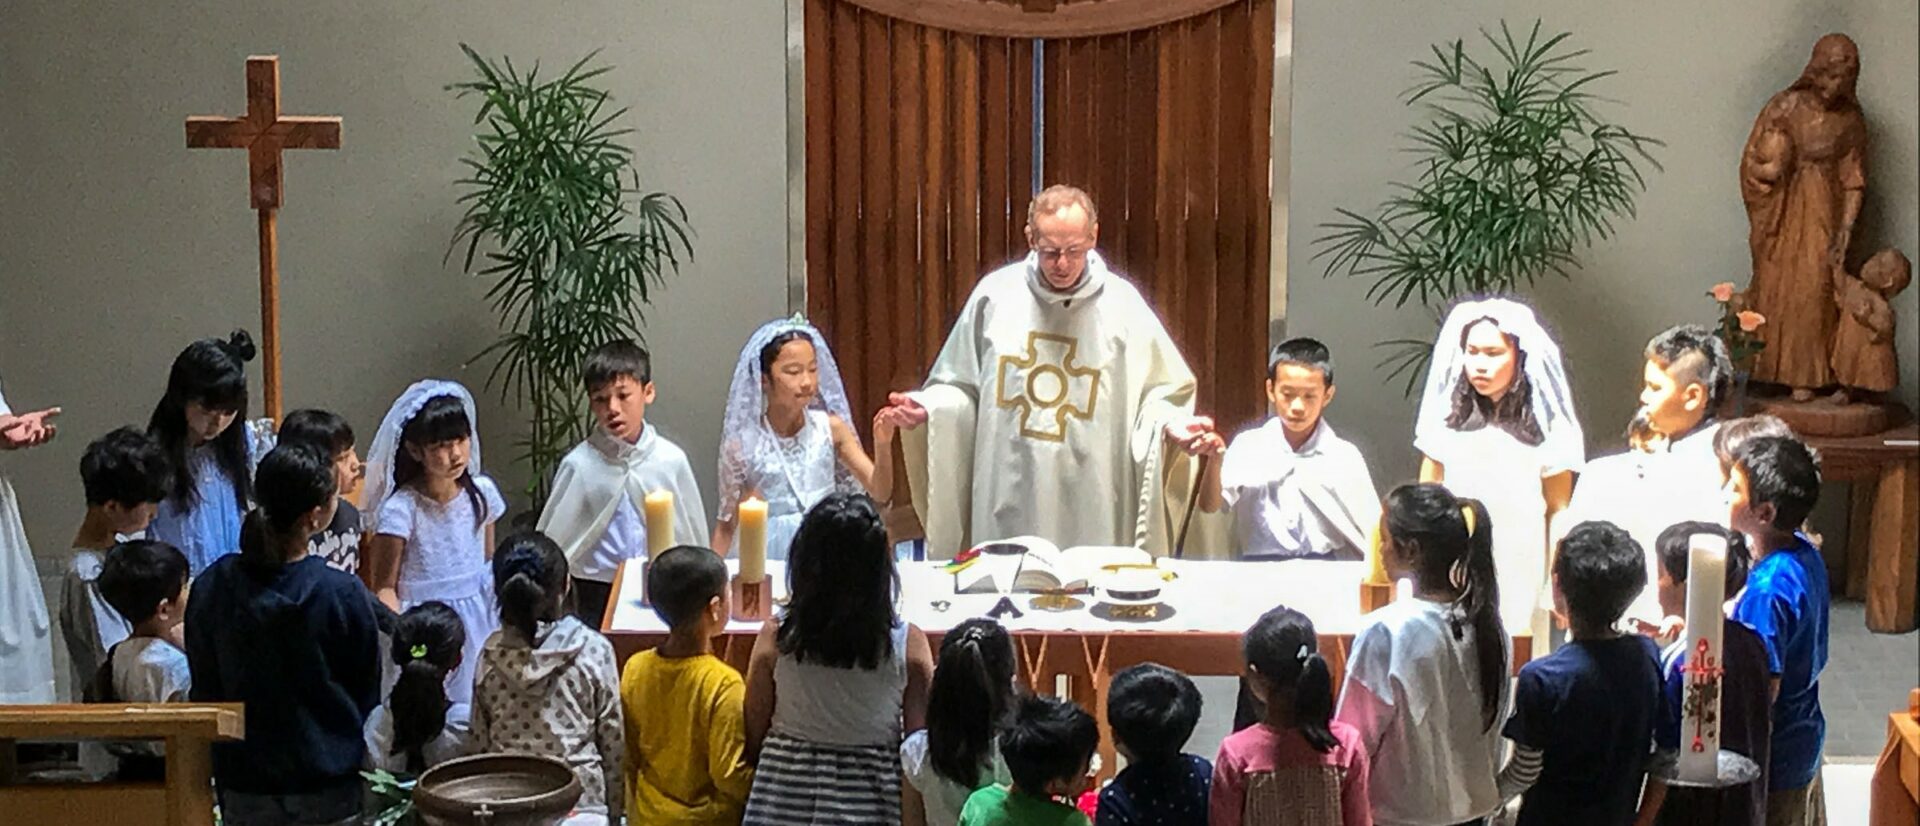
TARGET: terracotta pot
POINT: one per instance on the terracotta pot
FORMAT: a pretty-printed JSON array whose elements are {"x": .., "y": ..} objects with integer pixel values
[{"x": 497, "y": 790}]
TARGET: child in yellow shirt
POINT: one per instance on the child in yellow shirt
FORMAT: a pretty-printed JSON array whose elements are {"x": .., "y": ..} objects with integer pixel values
[{"x": 686, "y": 739}]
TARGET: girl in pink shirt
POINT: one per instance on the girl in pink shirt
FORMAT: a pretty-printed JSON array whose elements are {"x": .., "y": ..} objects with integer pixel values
[{"x": 1297, "y": 765}]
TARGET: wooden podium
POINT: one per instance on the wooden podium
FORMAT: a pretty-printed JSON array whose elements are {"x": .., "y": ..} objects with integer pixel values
[{"x": 185, "y": 798}]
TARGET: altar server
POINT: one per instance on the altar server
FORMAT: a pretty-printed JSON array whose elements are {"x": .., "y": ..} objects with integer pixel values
[{"x": 26, "y": 635}]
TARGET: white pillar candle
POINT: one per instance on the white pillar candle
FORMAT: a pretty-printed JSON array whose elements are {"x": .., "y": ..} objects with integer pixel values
[
  {"x": 659, "y": 516},
  {"x": 753, "y": 540},
  {"x": 1700, "y": 705}
]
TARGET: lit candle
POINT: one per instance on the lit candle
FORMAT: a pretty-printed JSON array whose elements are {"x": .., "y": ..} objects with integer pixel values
[
  {"x": 659, "y": 508},
  {"x": 1700, "y": 705},
  {"x": 1376, "y": 558},
  {"x": 753, "y": 540}
]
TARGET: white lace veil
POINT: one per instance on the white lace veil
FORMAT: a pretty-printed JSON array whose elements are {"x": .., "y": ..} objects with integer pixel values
[
  {"x": 386, "y": 443},
  {"x": 1551, "y": 394},
  {"x": 745, "y": 427}
]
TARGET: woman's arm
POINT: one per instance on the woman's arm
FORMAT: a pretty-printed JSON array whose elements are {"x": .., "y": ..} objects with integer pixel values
[
  {"x": 913, "y": 704},
  {"x": 913, "y": 808},
  {"x": 758, "y": 707},
  {"x": 723, "y": 534},
  {"x": 846, "y": 444},
  {"x": 383, "y": 567}
]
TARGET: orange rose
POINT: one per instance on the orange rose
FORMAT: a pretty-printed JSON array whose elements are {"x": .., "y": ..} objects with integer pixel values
[
  {"x": 1751, "y": 321},
  {"x": 1722, "y": 292}
]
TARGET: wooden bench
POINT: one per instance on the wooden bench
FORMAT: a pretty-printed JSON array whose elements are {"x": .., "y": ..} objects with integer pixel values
[{"x": 184, "y": 798}]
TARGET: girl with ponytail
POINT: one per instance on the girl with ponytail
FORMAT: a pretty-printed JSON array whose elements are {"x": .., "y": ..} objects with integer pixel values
[
  {"x": 197, "y": 423},
  {"x": 276, "y": 629},
  {"x": 1297, "y": 758},
  {"x": 968, "y": 705},
  {"x": 419, "y": 727},
  {"x": 1426, "y": 682},
  {"x": 547, "y": 683}
]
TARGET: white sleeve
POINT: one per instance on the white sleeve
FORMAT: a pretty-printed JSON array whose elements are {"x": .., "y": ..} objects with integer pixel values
[
  {"x": 490, "y": 492},
  {"x": 396, "y": 515}
]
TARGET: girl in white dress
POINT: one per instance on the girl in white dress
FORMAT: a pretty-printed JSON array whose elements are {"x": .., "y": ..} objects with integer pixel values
[
  {"x": 786, "y": 439},
  {"x": 431, "y": 512},
  {"x": 26, "y": 634},
  {"x": 1497, "y": 424}
]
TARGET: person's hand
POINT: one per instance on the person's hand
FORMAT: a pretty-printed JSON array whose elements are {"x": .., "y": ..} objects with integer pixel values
[
  {"x": 1195, "y": 435},
  {"x": 1668, "y": 629},
  {"x": 28, "y": 430},
  {"x": 389, "y": 597},
  {"x": 886, "y": 423},
  {"x": 907, "y": 413}
]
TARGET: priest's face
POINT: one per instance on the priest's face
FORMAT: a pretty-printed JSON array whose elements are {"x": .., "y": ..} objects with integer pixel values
[
  {"x": 794, "y": 377},
  {"x": 1061, "y": 240},
  {"x": 1491, "y": 360},
  {"x": 1299, "y": 394},
  {"x": 1671, "y": 407},
  {"x": 620, "y": 407}
]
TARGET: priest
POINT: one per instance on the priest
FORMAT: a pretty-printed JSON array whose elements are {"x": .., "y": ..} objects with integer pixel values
[{"x": 1049, "y": 409}]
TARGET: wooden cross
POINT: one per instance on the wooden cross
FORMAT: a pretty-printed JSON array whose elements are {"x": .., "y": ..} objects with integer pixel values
[{"x": 263, "y": 132}]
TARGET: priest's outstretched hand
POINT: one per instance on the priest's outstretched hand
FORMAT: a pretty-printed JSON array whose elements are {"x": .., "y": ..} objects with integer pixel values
[
  {"x": 903, "y": 412},
  {"x": 1196, "y": 435},
  {"x": 28, "y": 429}
]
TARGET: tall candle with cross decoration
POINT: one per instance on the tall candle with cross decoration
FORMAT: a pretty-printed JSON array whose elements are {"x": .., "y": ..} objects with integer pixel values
[{"x": 1700, "y": 705}]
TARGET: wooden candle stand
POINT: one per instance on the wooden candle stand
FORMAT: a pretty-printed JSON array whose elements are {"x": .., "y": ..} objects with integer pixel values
[
  {"x": 752, "y": 601},
  {"x": 1375, "y": 596}
]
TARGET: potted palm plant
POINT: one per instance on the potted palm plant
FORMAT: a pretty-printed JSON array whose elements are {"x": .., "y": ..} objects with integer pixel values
[
  {"x": 1517, "y": 172},
  {"x": 556, "y": 218}
]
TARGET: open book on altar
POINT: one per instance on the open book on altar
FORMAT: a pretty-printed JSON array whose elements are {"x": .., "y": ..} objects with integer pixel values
[{"x": 1030, "y": 563}]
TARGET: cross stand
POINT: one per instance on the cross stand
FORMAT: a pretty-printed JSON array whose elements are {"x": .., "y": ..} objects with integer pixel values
[
  {"x": 264, "y": 132},
  {"x": 1690, "y": 802}
]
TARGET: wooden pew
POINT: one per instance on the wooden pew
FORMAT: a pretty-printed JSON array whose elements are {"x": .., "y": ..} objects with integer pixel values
[{"x": 184, "y": 798}]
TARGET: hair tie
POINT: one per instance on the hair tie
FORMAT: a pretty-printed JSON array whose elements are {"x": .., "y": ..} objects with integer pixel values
[
  {"x": 523, "y": 560},
  {"x": 1466, "y": 513},
  {"x": 419, "y": 652},
  {"x": 1303, "y": 653}
]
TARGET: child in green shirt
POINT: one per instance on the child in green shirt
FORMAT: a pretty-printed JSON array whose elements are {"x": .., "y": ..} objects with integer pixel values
[{"x": 1047, "y": 750}]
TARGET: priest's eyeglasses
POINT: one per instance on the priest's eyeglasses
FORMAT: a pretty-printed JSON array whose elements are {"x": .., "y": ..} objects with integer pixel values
[{"x": 1052, "y": 254}]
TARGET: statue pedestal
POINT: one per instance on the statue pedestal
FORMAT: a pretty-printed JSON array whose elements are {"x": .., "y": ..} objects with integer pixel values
[{"x": 1823, "y": 417}]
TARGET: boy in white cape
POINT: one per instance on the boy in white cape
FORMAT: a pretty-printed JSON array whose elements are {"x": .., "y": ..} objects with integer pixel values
[{"x": 594, "y": 511}]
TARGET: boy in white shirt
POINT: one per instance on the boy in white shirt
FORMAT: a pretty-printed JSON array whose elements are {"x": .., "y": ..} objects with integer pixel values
[
  {"x": 594, "y": 510},
  {"x": 1297, "y": 490},
  {"x": 124, "y": 474},
  {"x": 146, "y": 582}
]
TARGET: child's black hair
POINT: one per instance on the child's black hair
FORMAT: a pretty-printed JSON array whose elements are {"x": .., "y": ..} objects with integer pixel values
[
  {"x": 442, "y": 419},
  {"x": 613, "y": 360},
  {"x": 125, "y": 466},
  {"x": 1428, "y": 524},
  {"x": 139, "y": 574},
  {"x": 1302, "y": 352},
  {"x": 971, "y": 699},
  {"x": 1783, "y": 472},
  {"x": 1049, "y": 739},
  {"x": 1152, "y": 710},
  {"x": 211, "y": 372},
  {"x": 323, "y": 429},
  {"x": 1283, "y": 648},
  {"x": 770, "y": 352},
  {"x": 1732, "y": 434},
  {"x": 294, "y": 479},
  {"x": 530, "y": 581},
  {"x": 842, "y": 587},
  {"x": 1601, "y": 569},
  {"x": 1513, "y": 413},
  {"x": 682, "y": 580},
  {"x": 427, "y": 641},
  {"x": 1675, "y": 547},
  {"x": 1693, "y": 354}
]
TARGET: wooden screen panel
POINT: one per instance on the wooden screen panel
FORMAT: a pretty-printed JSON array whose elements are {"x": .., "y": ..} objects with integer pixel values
[
  {"x": 919, "y": 153},
  {"x": 1169, "y": 129}
]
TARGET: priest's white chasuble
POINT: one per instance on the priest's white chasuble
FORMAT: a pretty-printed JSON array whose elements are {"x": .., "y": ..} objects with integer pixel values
[{"x": 1046, "y": 413}]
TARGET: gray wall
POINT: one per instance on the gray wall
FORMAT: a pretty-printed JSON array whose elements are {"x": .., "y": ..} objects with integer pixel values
[
  {"x": 1693, "y": 74},
  {"x": 120, "y": 245}
]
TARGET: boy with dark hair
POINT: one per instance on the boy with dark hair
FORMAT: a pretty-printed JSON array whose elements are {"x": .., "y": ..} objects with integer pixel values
[
  {"x": 1744, "y": 724},
  {"x": 1686, "y": 377},
  {"x": 594, "y": 509},
  {"x": 686, "y": 734},
  {"x": 1047, "y": 749},
  {"x": 339, "y": 543},
  {"x": 1152, "y": 710},
  {"x": 124, "y": 475},
  {"x": 1583, "y": 717},
  {"x": 1296, "y": 489},
  {"x": 146, "y": 581},
  {"x": 1774, "y": 484}
]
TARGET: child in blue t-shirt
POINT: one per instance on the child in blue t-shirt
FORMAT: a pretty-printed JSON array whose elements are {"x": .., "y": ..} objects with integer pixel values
[
  {"x": 1583, "y": 717},
  {"x": 1772, "y": 485}
]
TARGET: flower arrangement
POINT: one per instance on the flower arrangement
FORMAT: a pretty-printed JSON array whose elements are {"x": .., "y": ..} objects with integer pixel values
[{"x": 1739, "y": 326}]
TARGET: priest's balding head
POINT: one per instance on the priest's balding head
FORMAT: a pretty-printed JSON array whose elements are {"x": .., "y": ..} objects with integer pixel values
[{"x": 1062, "y": 227}]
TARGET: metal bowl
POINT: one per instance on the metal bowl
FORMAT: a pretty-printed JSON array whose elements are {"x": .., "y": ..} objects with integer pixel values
[{"x": 497, "y": 790}]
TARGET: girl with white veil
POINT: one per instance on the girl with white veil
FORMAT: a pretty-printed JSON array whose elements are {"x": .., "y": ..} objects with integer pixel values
[
  {"x": 430, "y": 512},
  {"x": 1497, "y": 424},
  {"x": 786, "y": 438}
]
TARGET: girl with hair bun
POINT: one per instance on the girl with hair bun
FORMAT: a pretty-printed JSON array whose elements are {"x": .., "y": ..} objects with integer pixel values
[{"x": 198, "y": 423}]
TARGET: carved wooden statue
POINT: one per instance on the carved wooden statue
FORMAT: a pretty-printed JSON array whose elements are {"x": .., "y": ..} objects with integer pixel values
[
  {"x": 1863, "y": 355},
  {"x": 1802, "y": 175}
]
